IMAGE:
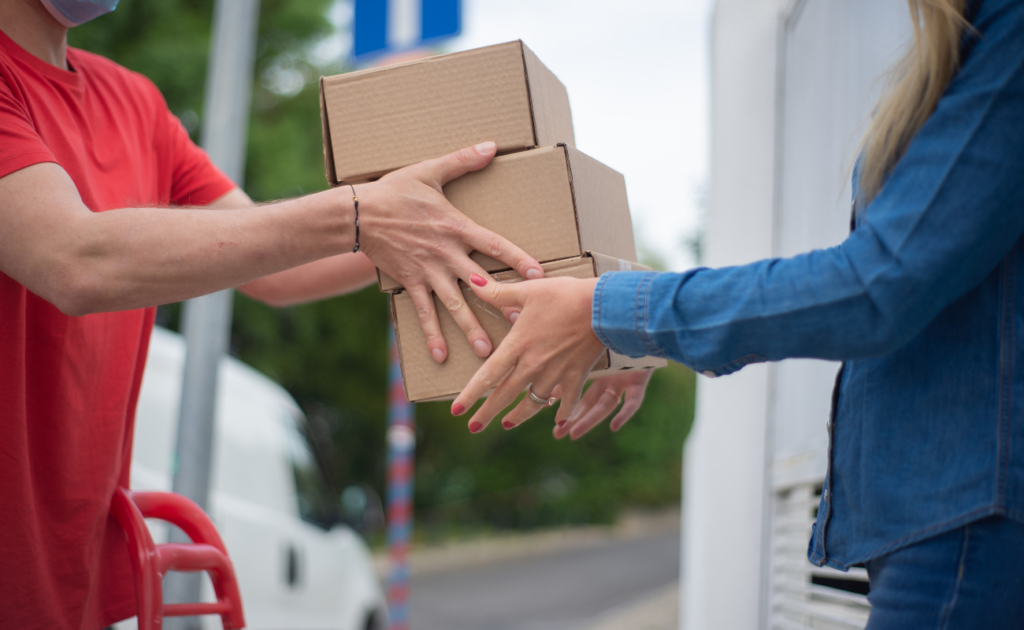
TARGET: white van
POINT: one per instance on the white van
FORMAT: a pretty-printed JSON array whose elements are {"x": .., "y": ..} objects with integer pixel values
[{"x": 292, "y": 572}]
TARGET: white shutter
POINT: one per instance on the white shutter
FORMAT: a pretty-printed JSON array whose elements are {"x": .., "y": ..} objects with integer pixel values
[{"x": 802, "y": 595}]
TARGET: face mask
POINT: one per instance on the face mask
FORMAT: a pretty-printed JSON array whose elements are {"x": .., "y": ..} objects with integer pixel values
[{"x": 74, "y": 12}]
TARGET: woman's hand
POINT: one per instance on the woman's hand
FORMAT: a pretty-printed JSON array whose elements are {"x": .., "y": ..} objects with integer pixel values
[
  {"x": 411, "y": 232},
  {"x": 551, "y": 348},
  {"x": 602, "y": 398}
]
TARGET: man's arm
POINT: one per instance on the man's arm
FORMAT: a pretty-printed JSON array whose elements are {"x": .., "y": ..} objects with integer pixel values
[
  {"x": 85, "y": 262},
  {"x": 317, "y": 280}
]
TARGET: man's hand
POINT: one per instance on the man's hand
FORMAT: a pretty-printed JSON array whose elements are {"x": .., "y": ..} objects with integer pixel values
[{"x": 413, "y": 234}]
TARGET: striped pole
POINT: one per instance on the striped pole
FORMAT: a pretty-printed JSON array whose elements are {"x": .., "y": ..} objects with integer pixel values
[{"x": 401, "y": 438}]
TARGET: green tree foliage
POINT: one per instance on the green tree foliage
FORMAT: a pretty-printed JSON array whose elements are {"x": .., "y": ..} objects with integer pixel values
[{"x": 332, "y": 355}]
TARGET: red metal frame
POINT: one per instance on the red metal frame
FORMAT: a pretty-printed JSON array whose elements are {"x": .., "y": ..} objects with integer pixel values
[{"x": 150, "y": 562}]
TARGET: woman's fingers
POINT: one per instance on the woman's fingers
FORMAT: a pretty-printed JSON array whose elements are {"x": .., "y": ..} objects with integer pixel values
[
  {"x": 589, "y": 399},
  {"x": 499, "y": 247},
  {"x": 442, "y": 170},
  {"x": 486, "y": 378},
  {"x": 423, "y": 300},
  {"x": 606, "y": 404},
  {"x": 572, "y": 389},
  {"x": 634, "y": 398},
  {"x": 451, "y": 296},
  {"x": 511, "y": 295}
]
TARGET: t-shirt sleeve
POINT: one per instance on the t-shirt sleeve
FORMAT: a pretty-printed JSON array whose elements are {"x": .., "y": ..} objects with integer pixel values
[
  {"x": 20, "y": 144},
  {"x": 196, "y": 180}
]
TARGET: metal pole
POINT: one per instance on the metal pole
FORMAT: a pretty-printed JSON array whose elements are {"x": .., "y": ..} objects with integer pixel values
[
  {"x": 207, "y": 319},
  {"x": 401, "y": 439}
]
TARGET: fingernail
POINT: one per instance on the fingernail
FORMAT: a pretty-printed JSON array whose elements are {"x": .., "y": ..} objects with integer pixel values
[
  {"x": 485, "y": 147},
  {"x": 481, "y": 347},
  {"x": 507, "y": 424},
  {"x": 478, "y": 280},
  {"x": 458, "y": 410},
  {"x": 560, "y": 423},
  {"x": 513, "y": 316},
  {"x": 534, "y": 274},
  {"x": 437, "y": 354},
  {"x": 475, "y": 427}
]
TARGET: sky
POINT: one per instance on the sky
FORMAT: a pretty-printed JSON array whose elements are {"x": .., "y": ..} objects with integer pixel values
[{"x": 637, "y": 74}]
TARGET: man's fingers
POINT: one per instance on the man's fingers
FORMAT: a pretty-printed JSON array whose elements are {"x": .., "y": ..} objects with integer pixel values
[
  {"x": 423, "y": 300},
  {"x": 605, "y": 406},
  {"x": 453, "y": 299},
  {"x": 491, "y": 244},
  {"x": 444, "y": 169},
  {"x": 634, "y": 398}
]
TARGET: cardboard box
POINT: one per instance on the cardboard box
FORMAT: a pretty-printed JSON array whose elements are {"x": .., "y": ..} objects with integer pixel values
[
  {"x": 554, "y": 202},
  {"x": 425, "y": 379},
  {"x": 381, "y": 119}
]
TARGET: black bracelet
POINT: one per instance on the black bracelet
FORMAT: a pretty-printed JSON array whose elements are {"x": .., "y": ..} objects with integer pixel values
[{"x": 355, "y": 200}]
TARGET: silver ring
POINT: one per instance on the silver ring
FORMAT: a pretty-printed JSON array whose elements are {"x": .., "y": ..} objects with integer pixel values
[{"x": 540, "y": 401}]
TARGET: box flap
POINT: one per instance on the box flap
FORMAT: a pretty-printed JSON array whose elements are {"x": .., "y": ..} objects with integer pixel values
[
  {"x": 602, "y": 208},
  {"x": 549, "y": 102},
  {"x": 603, "y": 264},
  {"x": 328, "y": 151},
  {"x": 398, "y": 345},
  {"x": 385, "y": 118}
]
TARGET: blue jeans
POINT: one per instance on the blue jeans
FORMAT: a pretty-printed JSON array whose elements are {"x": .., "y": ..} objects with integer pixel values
[{"x": 971, "y": 577}]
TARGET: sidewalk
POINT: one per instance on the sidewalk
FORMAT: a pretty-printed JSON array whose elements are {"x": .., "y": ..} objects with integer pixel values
[
  {"x": 656, "y": 611},
  {"x": 462, "y": 554}
]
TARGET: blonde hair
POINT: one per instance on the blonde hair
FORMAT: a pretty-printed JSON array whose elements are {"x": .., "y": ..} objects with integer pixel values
[{"x": 916, "y": 84}]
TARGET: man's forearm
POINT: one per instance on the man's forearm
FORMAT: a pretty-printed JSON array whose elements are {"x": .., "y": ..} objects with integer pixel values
[
  {"x": 313, "y": 281},
  {"x": 136, "y": 257}
]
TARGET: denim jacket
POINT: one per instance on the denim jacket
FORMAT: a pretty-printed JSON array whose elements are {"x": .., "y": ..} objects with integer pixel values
[{"x": 921, "y": 301}]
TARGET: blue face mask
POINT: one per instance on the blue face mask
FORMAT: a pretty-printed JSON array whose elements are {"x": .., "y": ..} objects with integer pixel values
[{"x": 74, "y": 12}]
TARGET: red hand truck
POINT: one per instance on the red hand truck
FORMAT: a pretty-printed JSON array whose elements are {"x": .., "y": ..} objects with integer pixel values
[{"x": 150, "y": 562}]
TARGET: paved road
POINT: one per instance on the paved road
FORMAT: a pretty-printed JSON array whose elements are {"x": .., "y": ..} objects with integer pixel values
[{"x": 558, "y": 591}]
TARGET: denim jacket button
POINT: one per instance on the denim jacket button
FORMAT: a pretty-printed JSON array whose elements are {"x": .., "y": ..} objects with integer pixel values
[{"x": 709, "y": 374}]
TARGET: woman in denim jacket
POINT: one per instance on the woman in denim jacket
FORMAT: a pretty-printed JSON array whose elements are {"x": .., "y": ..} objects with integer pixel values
[{"x": 924, "y": 302}]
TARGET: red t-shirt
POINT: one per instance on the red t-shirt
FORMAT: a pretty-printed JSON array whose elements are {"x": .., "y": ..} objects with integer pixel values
[{"x": 68, "y": 385}]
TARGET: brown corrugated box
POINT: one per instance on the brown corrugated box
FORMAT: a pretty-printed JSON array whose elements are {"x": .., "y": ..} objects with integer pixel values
[
  {"x": 554, "y": 202},
  {"x": 381, "y": 119},
  {"x": 426, "y": 379}
]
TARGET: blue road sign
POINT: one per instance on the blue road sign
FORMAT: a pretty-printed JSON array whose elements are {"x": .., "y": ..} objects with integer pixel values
[{"x": 383, "y": 27}]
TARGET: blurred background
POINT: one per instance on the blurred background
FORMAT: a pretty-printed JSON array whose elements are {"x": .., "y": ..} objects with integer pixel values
[
  {"x": 639, "y": 105},
  {"x": 790, "y": 84}
]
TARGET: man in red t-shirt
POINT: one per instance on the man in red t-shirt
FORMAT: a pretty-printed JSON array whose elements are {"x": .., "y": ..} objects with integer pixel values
[{"x": 107, "y": 209}]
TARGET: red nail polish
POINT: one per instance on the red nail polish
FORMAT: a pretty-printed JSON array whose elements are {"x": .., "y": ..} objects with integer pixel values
[
  {"x": 475, "y": 427},
  {"x": 478, "y": 280},
  {"x": 560, "y": 423},
  {"x": 458, "y": 410},
  {"x": 507, "y": 424}
]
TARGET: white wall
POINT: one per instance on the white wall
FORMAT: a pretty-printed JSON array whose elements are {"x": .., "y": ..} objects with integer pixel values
[{"x": 725, "y": 453}]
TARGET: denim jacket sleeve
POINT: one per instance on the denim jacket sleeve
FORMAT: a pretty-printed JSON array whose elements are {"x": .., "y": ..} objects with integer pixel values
[{"x": 951, "y": 209}]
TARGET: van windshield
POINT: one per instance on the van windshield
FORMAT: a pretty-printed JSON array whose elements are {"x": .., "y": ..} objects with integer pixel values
[{"x": 314, "y": 499}]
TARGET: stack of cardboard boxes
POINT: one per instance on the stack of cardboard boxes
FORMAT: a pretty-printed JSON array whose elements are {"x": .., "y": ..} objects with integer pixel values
[{"x": 562, "y": 207}]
